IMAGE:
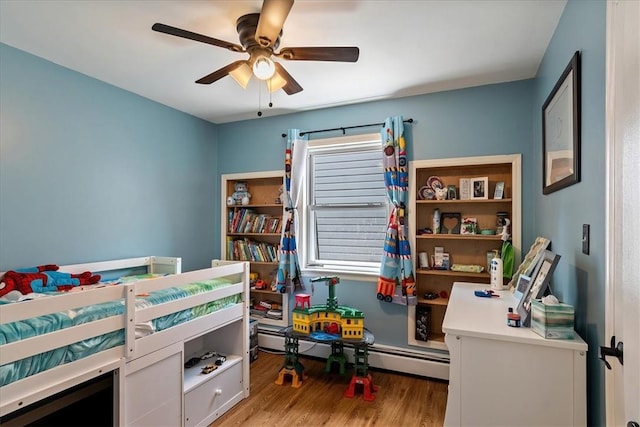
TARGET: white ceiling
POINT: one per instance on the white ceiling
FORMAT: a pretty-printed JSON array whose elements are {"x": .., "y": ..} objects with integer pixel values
[{"x": 406, "y": 47}]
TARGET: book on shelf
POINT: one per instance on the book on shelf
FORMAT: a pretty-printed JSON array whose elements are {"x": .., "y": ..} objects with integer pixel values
[
  {"x": 245, "y": 220},
  {"x": 248, "y": 250}
]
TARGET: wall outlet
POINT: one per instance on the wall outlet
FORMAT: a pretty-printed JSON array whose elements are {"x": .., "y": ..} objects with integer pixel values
[{"x": 585, "y": 238}]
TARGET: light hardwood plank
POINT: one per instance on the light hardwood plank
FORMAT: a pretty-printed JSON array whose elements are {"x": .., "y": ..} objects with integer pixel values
[{"x": 401, "y": 400}]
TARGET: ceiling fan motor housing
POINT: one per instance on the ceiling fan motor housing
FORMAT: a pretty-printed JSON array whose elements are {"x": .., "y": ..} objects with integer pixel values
[{"x": 246, "y": 26}]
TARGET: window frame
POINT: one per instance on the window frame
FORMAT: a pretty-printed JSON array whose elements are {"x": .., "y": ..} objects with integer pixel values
[{"x": 306, "y": 238}]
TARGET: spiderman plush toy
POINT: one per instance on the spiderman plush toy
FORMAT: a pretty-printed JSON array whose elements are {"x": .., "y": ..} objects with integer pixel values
[{"x": 44, "y": 278}]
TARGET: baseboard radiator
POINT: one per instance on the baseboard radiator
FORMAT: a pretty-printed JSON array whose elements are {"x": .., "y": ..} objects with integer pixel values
[{"x": 408, "y": 361}]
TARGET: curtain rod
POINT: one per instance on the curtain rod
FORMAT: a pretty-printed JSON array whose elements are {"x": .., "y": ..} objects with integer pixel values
[{"x": 284, "y": 135}]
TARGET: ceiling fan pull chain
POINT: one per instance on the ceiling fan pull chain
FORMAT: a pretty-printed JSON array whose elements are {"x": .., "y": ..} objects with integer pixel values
[
  {"x": 269, "y": 90},
  {"x": 259, "y": 100}
]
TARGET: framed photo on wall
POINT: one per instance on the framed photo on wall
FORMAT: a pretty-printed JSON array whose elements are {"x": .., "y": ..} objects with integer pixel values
[
  {"x": 561, "y": 131},
  {"x": 479, "y": 188}
]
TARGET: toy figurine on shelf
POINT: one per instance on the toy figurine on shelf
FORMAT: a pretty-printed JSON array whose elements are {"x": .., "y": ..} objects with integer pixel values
[{"x": 241, "y": 195}]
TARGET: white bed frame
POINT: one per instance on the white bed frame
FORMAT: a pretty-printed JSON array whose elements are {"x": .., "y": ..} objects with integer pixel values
[{"x": 182, "y": 396}]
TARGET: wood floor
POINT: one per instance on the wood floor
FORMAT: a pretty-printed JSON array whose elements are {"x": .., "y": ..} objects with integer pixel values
[{"x": 401, "y": 400}]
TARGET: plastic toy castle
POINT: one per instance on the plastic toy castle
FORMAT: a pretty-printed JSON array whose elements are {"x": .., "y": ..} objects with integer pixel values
[{"x": 330, "y": 318}]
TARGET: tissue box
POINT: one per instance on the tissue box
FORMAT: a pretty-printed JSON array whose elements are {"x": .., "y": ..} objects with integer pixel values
[{"x": 553, "y": 321}]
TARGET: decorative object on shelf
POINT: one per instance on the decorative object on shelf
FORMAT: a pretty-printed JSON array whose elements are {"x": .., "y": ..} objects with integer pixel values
[
  {"x": 450, "y": 223},
  {"x": 501, "y": 218},
  {"x": 426, "y": 193},
  {"x": 423, "y": 323},
  {"x": 431, "y": 295},
  {"x": 561, "y": 131},
  {"x": 435, "y": 222},
  {"x": 479, "y": 188},
  {"x": 452, "y": 194},
  {"x": 440, "y": 259},
  {"x": 465, "y": 185},
  {"x": 467, "y": 268},
  {"x": 278, "y": 200},
  {"x": 423, "y": 258},
  {"x": 241, "y": 195},
  {"x": 441, "y": 193},
  {"x": 435, "y": 183},
  {"x": 499, "y": 191},
  {"x": 469, "y": 225}
]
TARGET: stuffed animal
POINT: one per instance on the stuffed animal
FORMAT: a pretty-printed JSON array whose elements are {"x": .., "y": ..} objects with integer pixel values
[
  {"x": 43, "y": 278},
  {"x": 241, "y": 196}
]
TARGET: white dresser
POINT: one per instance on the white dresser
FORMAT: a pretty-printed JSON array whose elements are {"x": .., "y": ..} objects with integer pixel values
[{"x": 505, "y": 376}]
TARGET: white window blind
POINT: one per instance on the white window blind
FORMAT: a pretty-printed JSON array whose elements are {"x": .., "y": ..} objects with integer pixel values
[{"x": 348, "y": 207}]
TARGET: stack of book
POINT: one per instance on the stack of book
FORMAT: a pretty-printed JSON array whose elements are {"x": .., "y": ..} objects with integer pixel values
[{"x": 249, "y": 221}]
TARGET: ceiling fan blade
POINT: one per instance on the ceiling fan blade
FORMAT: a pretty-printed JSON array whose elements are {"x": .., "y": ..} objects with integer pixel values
[
  {"x": 222, "y": 72},
  {"x": 162, "y": 28},
  {"x": 292, "y": 85},
  {"x": 338, "y": 54},
  {"x": 272, "y": 17}
]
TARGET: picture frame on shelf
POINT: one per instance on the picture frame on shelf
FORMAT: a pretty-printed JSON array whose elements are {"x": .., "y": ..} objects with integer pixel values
[
  {"x": 499, "y": 191},
  {"x": 464, "y": 189},
  {"x": 450, "y": 223},
  {"x": 538, "y": 285},
  {"x": 479, "y": 188},
  {"x": 561, "y": 130}
]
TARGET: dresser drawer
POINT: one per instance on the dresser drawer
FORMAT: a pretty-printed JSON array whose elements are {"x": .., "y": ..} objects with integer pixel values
[{"x": 208, "y": 401}]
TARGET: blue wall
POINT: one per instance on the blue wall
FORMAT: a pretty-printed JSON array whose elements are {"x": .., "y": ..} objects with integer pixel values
[
  {"x": 91, "y": 172},
  {"x": 579, "y": 279},
  {"x": 478, "y": 121}
]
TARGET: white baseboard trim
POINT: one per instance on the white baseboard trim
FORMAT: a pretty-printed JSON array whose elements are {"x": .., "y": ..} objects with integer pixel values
[{"x": 422, "y": 363}]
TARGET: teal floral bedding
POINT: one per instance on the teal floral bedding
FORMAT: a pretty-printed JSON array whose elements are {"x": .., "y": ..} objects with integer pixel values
[{"x": 16, "y": 331}]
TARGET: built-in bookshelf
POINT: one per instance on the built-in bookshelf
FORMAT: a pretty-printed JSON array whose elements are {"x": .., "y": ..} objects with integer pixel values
[
  {"x": 434, "y": 283},
  {"x": 252, "y": 233}
]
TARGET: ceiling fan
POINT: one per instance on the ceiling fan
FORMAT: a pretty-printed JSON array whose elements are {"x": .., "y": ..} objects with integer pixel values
[{"x": 260, "y": 35}]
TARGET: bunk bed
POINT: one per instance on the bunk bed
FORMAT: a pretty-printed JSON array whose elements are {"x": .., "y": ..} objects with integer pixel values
[{"x": 138, "y": 328}]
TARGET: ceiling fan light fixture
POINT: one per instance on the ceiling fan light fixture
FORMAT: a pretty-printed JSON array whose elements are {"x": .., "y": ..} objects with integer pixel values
[
  {"x": 263, "y": 68},
  {"x": 276, "y": 82},
  {"x": 242, "y": 75}
]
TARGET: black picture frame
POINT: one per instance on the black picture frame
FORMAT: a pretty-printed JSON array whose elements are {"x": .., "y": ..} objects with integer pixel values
[
  {"x": 561, "y": 131},
  {"x": 444, "y": 223}
]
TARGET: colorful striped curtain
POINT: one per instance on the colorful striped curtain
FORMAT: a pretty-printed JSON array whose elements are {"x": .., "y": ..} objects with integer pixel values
[
  {"x": 396, "y": 268},
  {"x": 294, "y": 168}
]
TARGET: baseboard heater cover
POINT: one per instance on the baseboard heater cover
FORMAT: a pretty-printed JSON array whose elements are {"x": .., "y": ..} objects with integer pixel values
[{"x": 426, "y": 364}]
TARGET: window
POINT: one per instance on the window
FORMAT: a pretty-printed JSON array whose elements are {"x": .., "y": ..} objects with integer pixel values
[{"x": 346, "y": 205}]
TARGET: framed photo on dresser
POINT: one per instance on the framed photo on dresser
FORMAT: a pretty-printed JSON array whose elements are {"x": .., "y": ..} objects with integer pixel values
[{"x": 538, "y": 285}]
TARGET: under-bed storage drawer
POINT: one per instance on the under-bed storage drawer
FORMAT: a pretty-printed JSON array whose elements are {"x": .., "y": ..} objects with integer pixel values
[
  {"x": 153, "y": 388},
  {"x": 206, "y": 402}
]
